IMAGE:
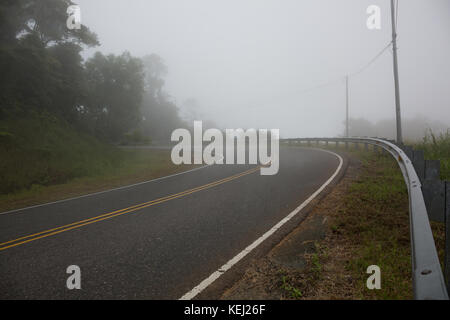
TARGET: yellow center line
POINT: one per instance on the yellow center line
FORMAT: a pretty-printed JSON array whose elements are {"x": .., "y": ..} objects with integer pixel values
[
  {"x": 78, "y": 224},
  {"x": 135, "y": 206}
]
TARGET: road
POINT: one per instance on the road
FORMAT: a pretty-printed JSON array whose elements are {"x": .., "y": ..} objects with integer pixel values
[{"x": 155, "y": 240}]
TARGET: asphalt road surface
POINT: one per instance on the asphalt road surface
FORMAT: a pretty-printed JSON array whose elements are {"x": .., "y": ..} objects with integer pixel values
[{"x": 155, "y": 240}]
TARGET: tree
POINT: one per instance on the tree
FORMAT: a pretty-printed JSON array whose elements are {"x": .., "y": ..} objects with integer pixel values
[
  {"x": 115, "y": 86},
  {"x": 155, "y": 70},
  {"x": 161, "y": 116},
  {"x": 40, "y": 58},
  {"x": 45, "y": 18},
  {"x": 42, "y": 69},
  {"x": 70, "y": 89}
]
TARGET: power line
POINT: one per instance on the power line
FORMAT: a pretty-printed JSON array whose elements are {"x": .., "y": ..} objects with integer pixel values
[
  {"x": 354, "y": 74},
  {"x": 342, "y": 78},
  {"x": 323, "y": 85},
  {"x": 371, "y": 61}
]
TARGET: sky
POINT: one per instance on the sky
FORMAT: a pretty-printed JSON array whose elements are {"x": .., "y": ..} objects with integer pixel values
[{"x": 258, "y": 63}]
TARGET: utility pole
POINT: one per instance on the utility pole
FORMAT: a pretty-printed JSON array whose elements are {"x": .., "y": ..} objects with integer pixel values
[
  {"x": 397, "y": 92},
  {"x": 346, "y": 106}
]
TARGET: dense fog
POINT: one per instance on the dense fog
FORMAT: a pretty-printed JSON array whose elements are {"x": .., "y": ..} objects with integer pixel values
[{"x": 281, "y": 64}]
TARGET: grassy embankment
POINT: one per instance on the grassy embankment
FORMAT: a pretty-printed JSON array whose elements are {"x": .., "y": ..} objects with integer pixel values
[
  {"x": 44, "y": 159},
  {"x": 438, "y": 148},
  {"x": 370, "y": 225},
  {"x": 374, "y": 222}
]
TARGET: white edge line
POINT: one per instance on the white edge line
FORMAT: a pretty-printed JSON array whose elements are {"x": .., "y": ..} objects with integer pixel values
[
  {"x": 105, "y": 191},
  {"x": 215, "y": 275}
]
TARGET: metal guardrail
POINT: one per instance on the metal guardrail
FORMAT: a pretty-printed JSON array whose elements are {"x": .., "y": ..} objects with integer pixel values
[{"x": 428, "y": 279}]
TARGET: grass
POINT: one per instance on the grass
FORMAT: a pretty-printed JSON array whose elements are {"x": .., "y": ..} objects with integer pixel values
[
  {"x": 368, "y": 225},
  {"x": 387, "y": 240},
  {"x": 291, "y": 290},
  {"x": 44, "y": 150},
  {"x": 316, "y": 266},
  {"x": 374, "y": 221},
  {"x": 44, "y": 159},
  {"x": 139, "y": 165},
  {"x": 437, "y": 148}
]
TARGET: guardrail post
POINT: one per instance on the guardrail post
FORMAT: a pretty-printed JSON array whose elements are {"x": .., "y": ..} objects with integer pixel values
[
  {"x": 408, "y": 150},
  {"x": 337, "y": 144},
  {"x": 447, "y": 235},
  {"x": 432, "y": 169},
  {"x": 433, "y": 190},
  {"x": 346, "y": 145},
  {"x": 326, "y": 143},
  {"x": 419, "y": 163},
  {"x": 434, "y": 196}
]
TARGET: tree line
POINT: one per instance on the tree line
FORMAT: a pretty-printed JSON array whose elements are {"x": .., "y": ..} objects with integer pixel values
[{"x": 113, "y": 97}]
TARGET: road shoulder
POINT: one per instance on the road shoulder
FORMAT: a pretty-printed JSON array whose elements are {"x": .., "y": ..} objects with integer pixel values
[
  {"x": 232, "y": 277},
  {"x": 363, "y": 221},
  {"x": 280, "y": 273}
]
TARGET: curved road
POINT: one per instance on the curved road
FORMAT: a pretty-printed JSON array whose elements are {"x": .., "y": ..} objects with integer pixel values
[{"x": 155, "y": 240}]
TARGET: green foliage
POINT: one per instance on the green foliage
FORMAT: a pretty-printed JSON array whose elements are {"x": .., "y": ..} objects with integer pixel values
[
  {"x": 44, "y": 18},
  {"x": 53, "y": 104},
  {"x": 108, "y": 96},
  {"x": 115, "y": 85},
  {"x": 160, "y": 114},
  {"x": 42, "y": 69},
  {"x": 135, "y": 137},
  {"x": 437, "y": 148},
  {"x": 375, "y": 220},
  {"x": 44, "y": 150},
  {"x": 41, "y": 65},
  {"x": 294, "y": 292}
]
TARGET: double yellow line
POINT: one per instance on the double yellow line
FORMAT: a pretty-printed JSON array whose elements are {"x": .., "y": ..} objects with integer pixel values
[{"x": 105, "y": 216}]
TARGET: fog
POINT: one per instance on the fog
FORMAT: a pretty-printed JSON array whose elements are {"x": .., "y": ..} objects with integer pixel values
[{"x": 258, "y": 63}]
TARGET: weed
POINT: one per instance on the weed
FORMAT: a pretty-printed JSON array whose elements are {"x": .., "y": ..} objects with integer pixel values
[{"x": 294, "y": 293}]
